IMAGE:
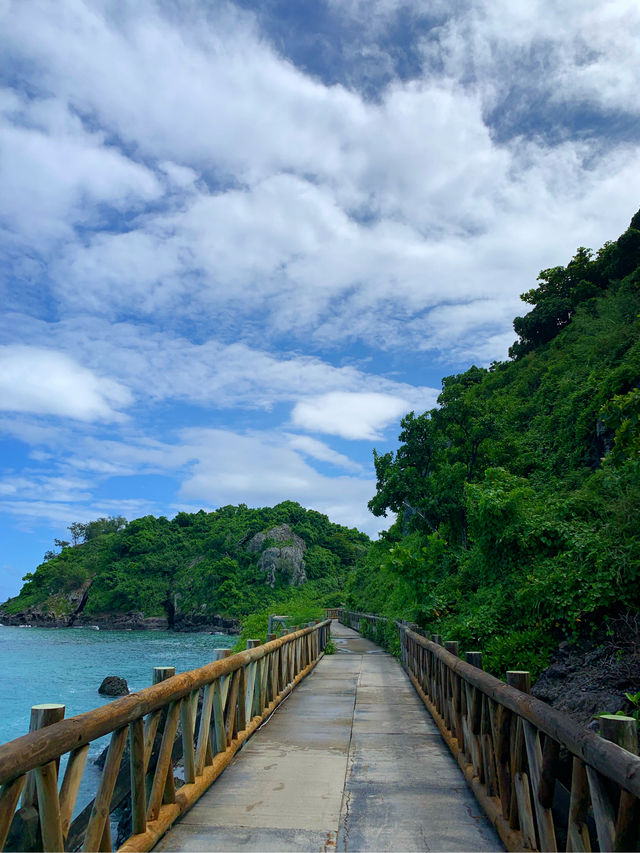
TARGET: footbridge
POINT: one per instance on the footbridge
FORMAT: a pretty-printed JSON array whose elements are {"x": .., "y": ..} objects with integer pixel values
[{"x": 284, "y": 747}]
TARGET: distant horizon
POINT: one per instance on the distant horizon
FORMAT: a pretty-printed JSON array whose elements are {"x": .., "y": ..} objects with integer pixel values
[{"x": 240, "y": 244}]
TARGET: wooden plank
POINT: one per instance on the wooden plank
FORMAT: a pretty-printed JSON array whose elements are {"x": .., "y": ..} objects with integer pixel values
[
  {"x": 70, "y": 786},
  {"x": 241, "y": 716},
  {"x": 102, "y": 802},
  {"x": 188, "y": 752},
  {"x": 502, "y": 753},
  {"x": 105, "y": 845},
  {"x": 163, "y": 767},
  {"x": 218, "y": 719},
  {"x": 546, "y": 830},
  {"x": 550, "y": 759},
  {"x": 489, "y": 762},
  {"x": 264, "y": 681},
  {"x": 8, "y": 801},
  {"x": 204, "y": 729},
  {"x": 525, "y": 812},
  {"x": 232, "y": 706},
  {"x": 150, "y": 730},
  {"x": 577, "y": 831},
  {"x": 137, "y": 771},
  {"x": 602, "y": 810},
  {"x": 250, "y": 675}
]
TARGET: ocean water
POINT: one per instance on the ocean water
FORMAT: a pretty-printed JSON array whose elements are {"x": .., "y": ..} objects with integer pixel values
[{"x": 67, "y": 665}]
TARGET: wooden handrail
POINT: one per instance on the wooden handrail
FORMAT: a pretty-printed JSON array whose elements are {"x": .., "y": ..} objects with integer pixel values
[
  {"x": 614, "y": 762},
  {"x": 508, "y": 745},
  {"x": 232, "y": 697}
]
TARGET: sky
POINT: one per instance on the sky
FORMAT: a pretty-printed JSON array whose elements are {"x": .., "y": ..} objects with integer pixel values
[{"x": 241, "y": 240}]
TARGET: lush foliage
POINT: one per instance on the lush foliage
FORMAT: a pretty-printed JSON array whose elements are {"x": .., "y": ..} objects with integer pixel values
[
  {"x": 518, "y": 497},
  {"x": 196, "y": 563},
  {"x": 298, "y": 605}
]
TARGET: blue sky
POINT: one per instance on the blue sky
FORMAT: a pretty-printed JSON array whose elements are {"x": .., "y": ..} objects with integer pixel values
[{"x": 240, "y": 240}]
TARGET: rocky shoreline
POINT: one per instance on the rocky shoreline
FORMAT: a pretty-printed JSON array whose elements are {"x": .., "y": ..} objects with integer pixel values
[{"x": 132, "y": 621}]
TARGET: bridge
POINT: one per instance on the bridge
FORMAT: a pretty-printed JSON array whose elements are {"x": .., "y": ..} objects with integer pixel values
[{"x": 284, "y": 747}]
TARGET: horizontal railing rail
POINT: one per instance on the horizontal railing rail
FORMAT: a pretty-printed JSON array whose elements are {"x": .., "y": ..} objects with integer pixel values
[
  {"x": 544, "y": 782},
  {"x": 200, "y": 718}
]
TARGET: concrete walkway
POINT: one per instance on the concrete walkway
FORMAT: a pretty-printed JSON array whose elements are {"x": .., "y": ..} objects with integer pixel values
[{"x": 351, "y": 760}]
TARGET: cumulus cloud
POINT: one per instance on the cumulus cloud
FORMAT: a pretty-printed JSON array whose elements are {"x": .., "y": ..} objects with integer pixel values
[
  {"x": 360, "y": 415},
  {"x": 45, "y": 382},
  {"x": 309, "y": 212}
]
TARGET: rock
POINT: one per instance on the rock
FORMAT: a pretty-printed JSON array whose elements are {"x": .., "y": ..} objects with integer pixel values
[
  {"x": 557, "y": 671},
  {"x": 192, "y": 622},
  {"x": 130, "y": 621},
  {"x": 591, "y": 675},
  {"x": 113, "y": 685},
  {"x": 284, "y": 558}
]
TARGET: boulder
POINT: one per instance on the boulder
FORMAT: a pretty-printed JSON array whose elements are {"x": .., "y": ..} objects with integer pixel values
[{"x": 113, "y": 685}]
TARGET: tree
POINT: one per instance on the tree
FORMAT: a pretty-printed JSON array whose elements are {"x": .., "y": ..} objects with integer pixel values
[{"x": 78, "y": 531}]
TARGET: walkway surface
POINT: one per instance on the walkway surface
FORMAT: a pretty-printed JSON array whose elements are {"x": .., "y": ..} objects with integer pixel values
[{"x": 350, "y": 761}]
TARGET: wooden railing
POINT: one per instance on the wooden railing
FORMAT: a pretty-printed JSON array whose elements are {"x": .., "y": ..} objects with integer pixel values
[
  {"x": 201, "y": 717},
  {"x": 543, "y": 781},
  {"x": 332, "y": 612},
  {"x": 357, "y": 621}
]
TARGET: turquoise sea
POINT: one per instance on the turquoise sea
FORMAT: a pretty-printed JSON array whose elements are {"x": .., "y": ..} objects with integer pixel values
[{"x": 67, "y": 665}]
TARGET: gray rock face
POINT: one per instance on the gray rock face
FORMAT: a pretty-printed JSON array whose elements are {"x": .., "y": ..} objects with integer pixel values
[
  {"x": 113, "y": 685},
  {"x": 286, "y": 558},
  {"x": 584, "y": 681}
]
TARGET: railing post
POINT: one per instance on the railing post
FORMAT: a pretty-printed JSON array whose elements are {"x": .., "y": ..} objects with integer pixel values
[
  {"x": 474, "y": 658},
  {"x": 41, "y": 788},
  {"x": 624, "y": 732},
  {"x": 41, "y": 716}
]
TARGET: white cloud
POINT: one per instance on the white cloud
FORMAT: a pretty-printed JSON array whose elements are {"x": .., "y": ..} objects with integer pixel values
[
  {"x": 162, "y": 366},
  {"x": 315, "y": 449},
  {"x": 360, "y": 415},
  {"x": 45, "y": 382},
  {"x": 55, "y": 174},
  {"x": 307, "y": 212},
  {"x": 262, "y": 470}
]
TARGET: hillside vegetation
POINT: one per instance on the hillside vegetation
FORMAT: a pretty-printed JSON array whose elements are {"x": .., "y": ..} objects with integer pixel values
[
  {"x": 518, "y": 498},
  {"x": 230, "y": 562}
]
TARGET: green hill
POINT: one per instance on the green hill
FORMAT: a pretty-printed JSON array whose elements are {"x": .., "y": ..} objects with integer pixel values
[
  {"x": 191, "y": 569},
  {"x": 518, "y": 497}
]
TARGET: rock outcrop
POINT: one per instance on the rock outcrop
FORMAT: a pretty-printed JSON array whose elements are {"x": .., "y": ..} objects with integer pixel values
[
  {"x": 60, "y": 610},
  {"x": 593, "y": 676},
  {"x": 131, "y": 621},
  {"x": 285, "y": 558},
  {"x": 114, "y": 685},
  {"x": 186, "y": 622}
]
